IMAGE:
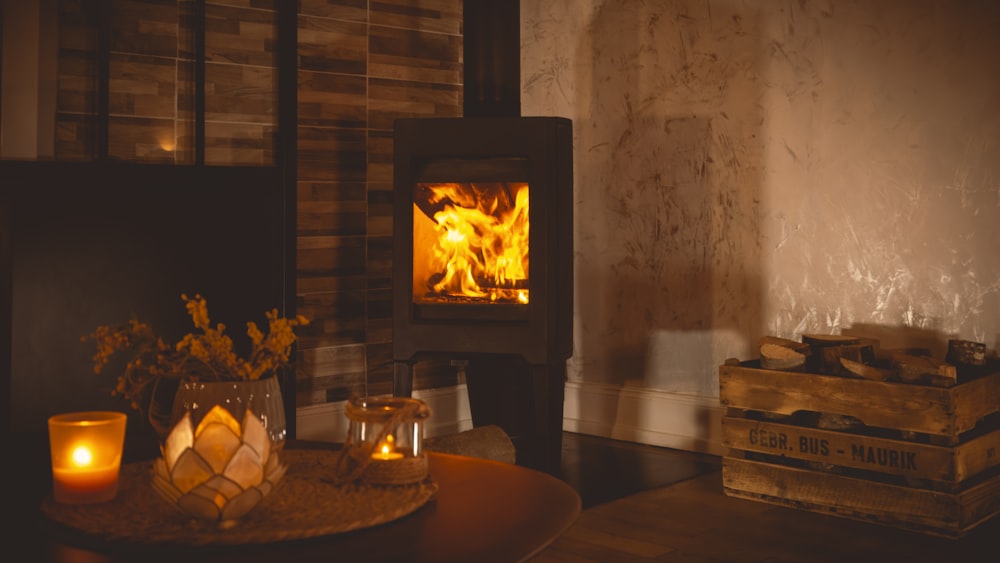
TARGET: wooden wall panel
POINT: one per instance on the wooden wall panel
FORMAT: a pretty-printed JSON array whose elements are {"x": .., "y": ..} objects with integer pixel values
[
  {"x": 240, "y": 36},
  {"x": 379, "y": 171},
  {"x": 332, "y": 97},
  {"x": 436, "y": 372},
  {"x": 241, "y": 101},
  {"x": 379, "y": 315},
  {"x": 378, "y": 377},
  {"x": 143, "y": 108},
  {"x": 316, "y": 268},
  {"x": 379, "y": 253},
  {"x": 379, "y": 222},
  {"x": 414, "y": 55},
  {"x": 334, "y": 371},
  {"x": 338, "y": 319},
  {"x": 141, "y": 139},
  {"x": 331, "y": 208},
  {"x": 338, "y": 256},
  {"x": 151, "y": 80},
  {"x": 77, "y": 89},
  {"x": 380, "y": 160},
  {"x": 380, "y": 303},
  {"x": 247, "y": 144},
  {"x": 348, "y": 10},
  {"x": 441, "y": 16},
  {"x": 76, "y": 96},
  {"x": 259, "y": 4},
  {"x": 389, "y": 100},
  {"x": 142, "y": 86},
  {"x": 145, "y": 27},
  {"x": 75, "y": 136},
  {"x": 185, "y": 110},
  {"x": 77, "y": 29},
  {"x": 240, "y": 93},
  {"x": 354, "y": 80},
  {"x": 146, "y": 83},
  {"x": 332, "y": 45},
  {"x": 332, "y": 100},
  {"x": 331, "y": 154}
]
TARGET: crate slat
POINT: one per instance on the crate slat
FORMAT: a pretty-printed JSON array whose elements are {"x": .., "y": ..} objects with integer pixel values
[
  {"x": 946, "y": 412},
  {"x": 921, "y": 510},
  {"x": 949, "y": 465}
]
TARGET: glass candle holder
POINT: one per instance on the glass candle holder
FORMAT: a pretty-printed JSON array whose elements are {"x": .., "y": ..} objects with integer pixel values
[
  {"x": 389, "y": 434},
  {"x": 219, "y": 469},
  {"x": 86, "y": 449}
]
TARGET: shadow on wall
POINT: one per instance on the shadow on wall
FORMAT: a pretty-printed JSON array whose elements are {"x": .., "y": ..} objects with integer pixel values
[
  {"x": 935, "y": 341},
  {"x": 668, "y": 241},
  {"x": 678, "y": 359}
]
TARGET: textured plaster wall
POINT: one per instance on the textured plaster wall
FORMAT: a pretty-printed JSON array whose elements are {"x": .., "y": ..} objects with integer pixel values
[{"x": 750, "y": 167}]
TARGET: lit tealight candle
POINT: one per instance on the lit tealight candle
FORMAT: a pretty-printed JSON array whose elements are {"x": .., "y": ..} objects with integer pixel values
[
  {"x": 86, "y": 450},
  {"x": 387, "y": 451}
]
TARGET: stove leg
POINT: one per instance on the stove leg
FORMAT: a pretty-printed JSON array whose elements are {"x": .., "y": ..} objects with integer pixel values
[
  {"x": 402, "y": 379},
  {"x": 525, "y": 400},
  {"x": 548, "y": 382}
]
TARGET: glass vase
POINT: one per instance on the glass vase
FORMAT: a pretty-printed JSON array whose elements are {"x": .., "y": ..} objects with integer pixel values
[{"x": 261, "y": 396}]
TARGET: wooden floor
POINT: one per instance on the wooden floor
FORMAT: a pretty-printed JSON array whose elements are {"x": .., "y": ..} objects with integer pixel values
[
  {"x": 689, "y": 519},
  {"x": 603, "y": 470}
]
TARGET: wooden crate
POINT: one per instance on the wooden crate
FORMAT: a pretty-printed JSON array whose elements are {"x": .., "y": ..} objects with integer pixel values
[{"x": 916, "y": 457}]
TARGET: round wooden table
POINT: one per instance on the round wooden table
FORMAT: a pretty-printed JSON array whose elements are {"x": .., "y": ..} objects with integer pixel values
[{"x": 483, "y": 511}]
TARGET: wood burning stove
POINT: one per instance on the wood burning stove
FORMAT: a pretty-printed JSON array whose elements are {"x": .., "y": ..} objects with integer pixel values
[
  {"x": 483, "y": 266},
  {"x": 474, "y": 197},
  {"x": 483, "y": 243}
]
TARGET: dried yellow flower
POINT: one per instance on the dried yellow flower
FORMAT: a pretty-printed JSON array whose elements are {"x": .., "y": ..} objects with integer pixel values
[{"x": 206, "y": 355}]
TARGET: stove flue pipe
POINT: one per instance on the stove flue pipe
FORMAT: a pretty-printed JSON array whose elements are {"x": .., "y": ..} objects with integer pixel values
[{"x": 492, "y": 58}]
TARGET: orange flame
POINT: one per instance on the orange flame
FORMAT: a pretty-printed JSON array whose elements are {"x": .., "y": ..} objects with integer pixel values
[{"x": 480, "y": 249}]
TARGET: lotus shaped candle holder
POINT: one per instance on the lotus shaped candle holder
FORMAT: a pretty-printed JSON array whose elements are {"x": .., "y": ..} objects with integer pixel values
[{"x": 219, "y": 470}]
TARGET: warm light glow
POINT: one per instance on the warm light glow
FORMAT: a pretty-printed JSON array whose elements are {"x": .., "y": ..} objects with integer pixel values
[
  {"x": 220, "y": 469},
  {"x": 481, "y": 248},
  {"x": 86, "y": 451},
  {"x": 387, "y": 450},
  {"x": 82, "y": 456},
  {"x": 167, "y": 143}
]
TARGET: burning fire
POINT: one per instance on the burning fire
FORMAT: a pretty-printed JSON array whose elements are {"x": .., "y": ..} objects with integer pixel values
[{"x": 480, "y": 245}]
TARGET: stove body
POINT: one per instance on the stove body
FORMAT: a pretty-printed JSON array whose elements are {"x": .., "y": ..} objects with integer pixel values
[{"x": 507, "y": 183}]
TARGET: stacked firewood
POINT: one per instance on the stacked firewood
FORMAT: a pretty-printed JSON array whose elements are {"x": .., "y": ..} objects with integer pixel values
[{"x": 860, "y": 357}]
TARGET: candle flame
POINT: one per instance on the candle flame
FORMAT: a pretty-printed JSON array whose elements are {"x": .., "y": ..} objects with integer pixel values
[
  {"x": 82, "y": 456},
  {"x": 387, "y": 447}
]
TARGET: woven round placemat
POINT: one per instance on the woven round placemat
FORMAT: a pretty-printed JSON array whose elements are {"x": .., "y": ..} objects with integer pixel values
[{"x": 305, "y": 504}]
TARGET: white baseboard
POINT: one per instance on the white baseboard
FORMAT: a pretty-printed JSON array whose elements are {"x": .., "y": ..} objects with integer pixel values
[
  {"x": 646, "y": 416},
  {"x": 633, "y": 414},
  {"x": 327, "y": 422}
]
